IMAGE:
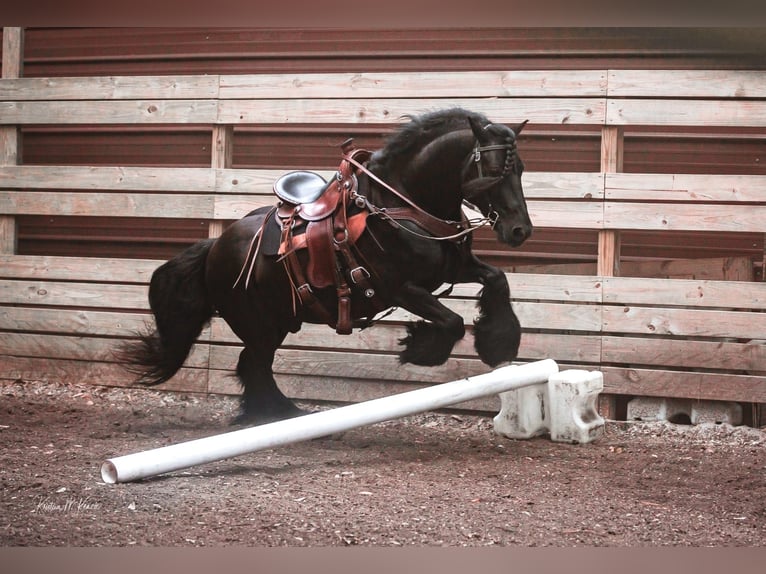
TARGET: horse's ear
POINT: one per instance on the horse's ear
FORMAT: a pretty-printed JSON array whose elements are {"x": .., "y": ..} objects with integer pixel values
[
  {"x": 477, "y": 128},
  {"x": 518, "y": 128}
]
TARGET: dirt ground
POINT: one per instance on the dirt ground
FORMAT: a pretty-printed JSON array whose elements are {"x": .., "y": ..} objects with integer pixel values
[{"x": 438, "y": 479}]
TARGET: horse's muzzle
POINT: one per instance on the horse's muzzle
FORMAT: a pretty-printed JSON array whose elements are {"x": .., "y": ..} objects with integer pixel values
[{"x": 518, "y": 235}]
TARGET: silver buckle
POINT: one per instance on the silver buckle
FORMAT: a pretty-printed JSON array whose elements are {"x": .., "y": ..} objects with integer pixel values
[{"x": 353, "y": 272}]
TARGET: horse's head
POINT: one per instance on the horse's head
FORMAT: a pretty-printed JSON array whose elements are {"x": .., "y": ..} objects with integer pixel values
[{"x": 492, "y": 180}]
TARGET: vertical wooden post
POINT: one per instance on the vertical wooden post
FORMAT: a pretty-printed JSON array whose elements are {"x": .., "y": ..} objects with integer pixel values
[
  {"x": 13, "y": 50},
  {"x": 222, "y": 154},
  {"x": 10, "y": 136},
  {"x": 608, "y": 253},
  {"x": 612, "y": 140},
  {"x": 763, "y": 260}
]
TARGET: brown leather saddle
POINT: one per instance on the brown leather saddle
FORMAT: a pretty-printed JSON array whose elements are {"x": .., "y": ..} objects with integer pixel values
[{"x": 322, "y": 218}]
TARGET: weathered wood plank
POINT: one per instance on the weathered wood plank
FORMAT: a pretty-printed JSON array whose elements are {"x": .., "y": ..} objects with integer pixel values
[
  {"x": 563, "y": 185},
  {"x": 566, "y": 214},
  {"x": 77, "y": 268},
  {"x": 515, "y": 83},
  {"x": 558, "y": 316},
  {"x": 563, "y": 269},
  {"x": 537, "y": 185},
  {"x": 311, "y": 388},
  {"x": 612, "y": 149},
  {"x": 237, "y": 206},
  {"x": 63, "y": 177},
  {"x": 665, "y": 353},
  {"x": 12, "y": 52},
  {"x": 684, "y": 322},
  {"x": 222, "y": 149},
  {"x": 501, "y": 84},
  {"x": 129, "y": 178},
  {"x": 111, "y": 88},
  {"x": 73, "y": 321},
  {"x": 702, "y": 386},
  {"x": 685, "y": 187},
  {"x": 81, "y": 348},
  {"x": 57, "y": 347},
  {"x": 52, "y": 293},
  {"x": 686, "y": 84},
  {"x": 609, "y": 243},
  {"x": 10, "y": 145},
  {"x": 254, "y": 181},
  {"x": 731, "y": 113},
  {"x": 96, "y": 204},
  {"x": 589, "y": 111},
  {"x": 610, "y": 240},
  {"x": 8, "y": 238},
  {"x": 80, "y": 322},
  {"x": 609, "y": 246},
  {"x": 93, "y": 373},
  {"x": 684, "y": 217},
  {"x": 717, "y": 268},
  {"x": 104, "y": 112},
  {"x": 562, "y": 348},
  {"x": 544, "y": 287},
  {"x": 684, "y": 293},
  {"x": 221, "y": 157},
  {"x": 10, "y": 136}
]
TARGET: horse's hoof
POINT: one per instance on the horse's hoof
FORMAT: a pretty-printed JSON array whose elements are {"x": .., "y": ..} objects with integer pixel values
[
  {"x": 425, "y": 345},
  {"x": 264, "y": 417},
  {"x": 243, "y": 420}
]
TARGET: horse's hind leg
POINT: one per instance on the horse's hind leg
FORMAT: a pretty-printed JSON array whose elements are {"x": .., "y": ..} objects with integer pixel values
[
  {"x": 260, "y": 316},
  {"x": 261, "y": 401}
]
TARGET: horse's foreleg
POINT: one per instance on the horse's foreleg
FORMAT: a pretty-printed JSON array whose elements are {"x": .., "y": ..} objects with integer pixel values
[
  {"x": 497, "y": 331},
  {"x": 428, "y": 343}
]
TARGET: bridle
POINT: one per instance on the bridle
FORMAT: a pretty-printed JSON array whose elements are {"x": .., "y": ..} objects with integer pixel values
[
  {"x": 510, "y": 152},
  {"x": 485, "y": 184}
]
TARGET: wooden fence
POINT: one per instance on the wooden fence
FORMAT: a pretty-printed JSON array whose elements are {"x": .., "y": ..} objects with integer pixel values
[{"x": 62, "y": 317}]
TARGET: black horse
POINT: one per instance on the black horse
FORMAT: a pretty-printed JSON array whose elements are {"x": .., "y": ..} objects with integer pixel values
[{"x": 434, "y": 163}]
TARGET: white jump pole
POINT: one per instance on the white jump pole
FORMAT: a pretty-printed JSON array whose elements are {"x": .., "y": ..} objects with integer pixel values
[{"x": 218, "y": 447}]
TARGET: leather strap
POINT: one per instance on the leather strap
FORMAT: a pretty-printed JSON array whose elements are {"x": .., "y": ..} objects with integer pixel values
[
  {"x": 439, "y": 228},
  {"x": 356, "y": 226},
  {"x": 303, "y": 289}
]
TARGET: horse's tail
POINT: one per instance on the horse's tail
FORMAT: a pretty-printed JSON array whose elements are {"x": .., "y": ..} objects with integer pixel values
[{"x": 179, "y": 300}]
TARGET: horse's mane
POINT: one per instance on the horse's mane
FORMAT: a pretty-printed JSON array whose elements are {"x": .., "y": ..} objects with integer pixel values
[{"x": 421, "y": 130}]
